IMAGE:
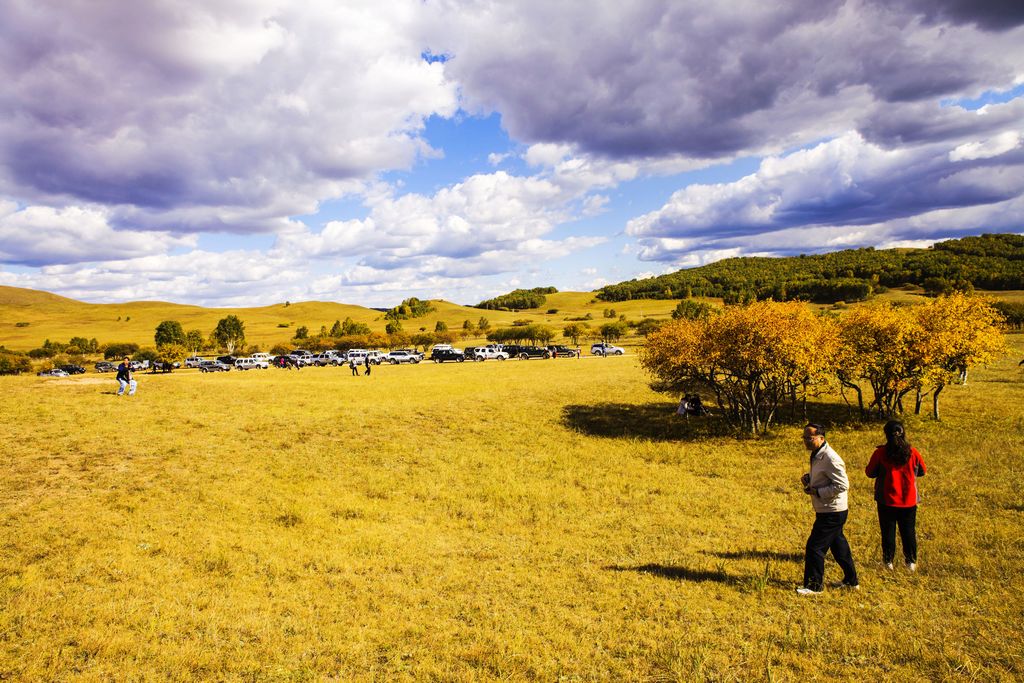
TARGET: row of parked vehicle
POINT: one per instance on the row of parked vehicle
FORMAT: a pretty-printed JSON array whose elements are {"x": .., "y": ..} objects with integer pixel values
[{"x": 440, "y": 353}]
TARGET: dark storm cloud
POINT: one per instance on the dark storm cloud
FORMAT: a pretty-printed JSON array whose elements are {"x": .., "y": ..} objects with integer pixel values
[{"x": 707, "y": 80}]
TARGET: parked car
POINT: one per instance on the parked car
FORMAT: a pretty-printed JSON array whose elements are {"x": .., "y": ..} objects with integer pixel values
[
  {"x": 559, "y": 351},
  {"x": 137, "y": 365},
  {"x": 73, "y": 369},
  {"x": 327, "y": 358},
  {"x": 55, "y": 372},
  {"x": 375, "y": 357},
  {"x": 527, "y": 352},
  {"x": 251, "y": 364},
  {"x": 606, "y": 349},
  {"x": 404, "y": 356},
  {"x": 227, "y": 360},
  {"x": 358, "y": 356},
  {"x": 482, "y": 353},
  {"x": 105, "y": 366},
  {"x": 440, "y": 355},
  {"x": 193, "y": 361},
  {"x": 259, "y": 355},
  {"x": 213, "y": 366}
]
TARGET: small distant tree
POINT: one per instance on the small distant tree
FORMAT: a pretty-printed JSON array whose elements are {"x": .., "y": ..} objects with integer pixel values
[
  {"x": 336, "y": 329},
  {"x": 574, "y": 331},
  {"x": 302, "y": 333},
  {"x": 648, "y": 325},
  {"x": 614, "y": 331},
  {"x": 120, "y": 350},
  {"x": 393, "y": 327},
  {"x": 483, "y": 324},
  {"x": 194, "y": 340},
  {"x": 441, "y": 326},
  {"x": 691, "y": 310},
  {"x": 172, "y": 353},
  {"x": 229, "y": 333},
  {"x": 169, "y": 332}
]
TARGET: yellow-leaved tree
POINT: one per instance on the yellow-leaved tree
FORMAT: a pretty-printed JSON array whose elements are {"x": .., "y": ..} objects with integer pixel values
[
  {"x": 751, "y": 358},
  {"x": 879, "y": 345},
  {"x": 959, "y": 332}
]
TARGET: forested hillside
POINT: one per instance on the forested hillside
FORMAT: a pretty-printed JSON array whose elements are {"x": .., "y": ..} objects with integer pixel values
[{"x": 994, "y": 262}]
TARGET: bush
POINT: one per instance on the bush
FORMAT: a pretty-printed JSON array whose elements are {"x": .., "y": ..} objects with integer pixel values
[
  {"x": 21, "y": 324},
  {"x": 14, "y": 363},
  {"x": 119, "y": 350}
]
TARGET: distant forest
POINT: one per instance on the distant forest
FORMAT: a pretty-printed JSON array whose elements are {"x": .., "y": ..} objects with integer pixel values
[
  {"x": 991, "y": 261},
  {"x": 518, "y": 300}
]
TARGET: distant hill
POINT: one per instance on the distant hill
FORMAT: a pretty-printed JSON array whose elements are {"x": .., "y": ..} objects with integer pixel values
[
  {"x": 991, "y": 262},
  {"x": 29, "y": 317}
]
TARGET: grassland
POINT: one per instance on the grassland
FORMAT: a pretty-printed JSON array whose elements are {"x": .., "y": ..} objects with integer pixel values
[
  {"x": 543, "y": 520},
  {"x": 57, "y": 318}
]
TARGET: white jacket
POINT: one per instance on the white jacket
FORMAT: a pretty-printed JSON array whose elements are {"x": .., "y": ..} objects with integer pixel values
[{"x": 829, "y": 482}]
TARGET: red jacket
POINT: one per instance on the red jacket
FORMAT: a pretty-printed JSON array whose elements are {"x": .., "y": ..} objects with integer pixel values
[{"x": 895, "y": 485}]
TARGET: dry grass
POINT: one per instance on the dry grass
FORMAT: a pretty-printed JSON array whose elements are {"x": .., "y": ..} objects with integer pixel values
[{"x": 523, "y": 520}]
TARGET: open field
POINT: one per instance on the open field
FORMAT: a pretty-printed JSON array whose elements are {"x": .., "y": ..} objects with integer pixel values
[
  {"x": 57, "y": 318},
  {"x": 523, "y": 520}
]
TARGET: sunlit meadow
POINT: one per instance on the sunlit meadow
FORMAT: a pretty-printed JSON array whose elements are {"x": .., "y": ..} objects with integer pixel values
[{"x": 536, "y": 520}]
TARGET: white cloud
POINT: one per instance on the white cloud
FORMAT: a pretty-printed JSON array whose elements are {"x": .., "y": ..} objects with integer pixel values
[
  {"x": 39, "y": 235},
  {"x": 986, "y": 149}
]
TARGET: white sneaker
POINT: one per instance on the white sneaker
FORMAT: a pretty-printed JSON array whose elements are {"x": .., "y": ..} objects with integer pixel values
[
  {"x": 807, "y": 591},
  {"x": 888, "y": 565},
  {"x": 911, "y": 566}
]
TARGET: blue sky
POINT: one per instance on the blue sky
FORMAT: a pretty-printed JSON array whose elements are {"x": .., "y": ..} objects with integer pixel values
[{"x": 245, "y": 156}]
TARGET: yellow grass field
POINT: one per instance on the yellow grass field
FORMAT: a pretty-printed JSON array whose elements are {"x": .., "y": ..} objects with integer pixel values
[
  {"x": 57, "y": 318},
  {"x": 538, "y": 520}
]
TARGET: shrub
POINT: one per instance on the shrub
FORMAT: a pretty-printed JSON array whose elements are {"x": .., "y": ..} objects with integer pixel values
[
  {"x": 119, "y": 350},
  {"x": 14, "y": 363},
  {"x": 21, "y": 324}
]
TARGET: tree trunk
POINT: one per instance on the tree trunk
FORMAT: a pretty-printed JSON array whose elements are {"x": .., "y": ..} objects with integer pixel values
[
  {"x": 918, "y": 397},
  {"x": 935, "y": 401}
]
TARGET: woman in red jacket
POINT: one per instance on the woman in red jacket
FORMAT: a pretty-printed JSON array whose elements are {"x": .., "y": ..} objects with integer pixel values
[{"x": 895, "y": 467}]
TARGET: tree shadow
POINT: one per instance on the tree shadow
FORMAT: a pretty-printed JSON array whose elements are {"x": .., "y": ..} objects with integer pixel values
[
  {"x": 653, "y": 421},
  {"x": 659, "y": 421},
  {"x": 758, "y": 555}
]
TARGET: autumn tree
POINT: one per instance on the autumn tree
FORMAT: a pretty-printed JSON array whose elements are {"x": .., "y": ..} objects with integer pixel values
[
  {"x": 959, "y": 332},
  {"x": 879, "y": 347},
  {"x": 751, "y": 358},
  {"x": 573, "y": 332}
]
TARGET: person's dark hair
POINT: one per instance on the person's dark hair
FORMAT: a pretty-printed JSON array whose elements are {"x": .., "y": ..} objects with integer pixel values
[
  {"x": 819, "y": 430},
  {"x": 896, "y": 446}
]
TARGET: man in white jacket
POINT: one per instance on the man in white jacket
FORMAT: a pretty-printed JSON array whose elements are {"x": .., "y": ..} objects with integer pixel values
[{"x": 826, "y": 483}]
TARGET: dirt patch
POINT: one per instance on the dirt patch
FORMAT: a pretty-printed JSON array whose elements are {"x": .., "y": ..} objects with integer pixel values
[{"x": 83, "y": 380}]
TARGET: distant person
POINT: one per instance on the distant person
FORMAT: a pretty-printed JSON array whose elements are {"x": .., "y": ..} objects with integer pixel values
[
  {"x": 895, "y": 467},
  {"x": 352, "y": 365},
  {"x": 826, "y": 483},
  {"x": 126, "y": 378},
  {"x": 368, "y": 364}
]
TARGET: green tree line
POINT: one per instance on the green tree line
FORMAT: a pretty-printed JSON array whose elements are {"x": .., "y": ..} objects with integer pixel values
[{"x": 990, "y": 261}]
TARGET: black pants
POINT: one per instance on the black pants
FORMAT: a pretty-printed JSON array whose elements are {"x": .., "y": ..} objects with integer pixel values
[
  {"x": 889, "y": 518},
  {"x": 827, "y": 534}
]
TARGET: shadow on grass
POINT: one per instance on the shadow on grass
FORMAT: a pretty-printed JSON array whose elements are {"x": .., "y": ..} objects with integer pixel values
[
  {"x": 659, "y": 422},
  {"x": 758, "y": 555},
  {"x": 677, "y": 573}
]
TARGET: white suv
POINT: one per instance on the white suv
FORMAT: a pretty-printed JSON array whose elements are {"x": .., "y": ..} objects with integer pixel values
[
  {"x": 193, "y": 361},
  {"x": 482, "y": 353},
  {"x": 404, "y": 356},
  {"x": 251, "y": 363},
  {"x": 606, "y": 349}
]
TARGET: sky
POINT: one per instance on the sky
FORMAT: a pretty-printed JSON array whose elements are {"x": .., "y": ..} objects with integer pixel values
[{"x": 229, "y": 153}]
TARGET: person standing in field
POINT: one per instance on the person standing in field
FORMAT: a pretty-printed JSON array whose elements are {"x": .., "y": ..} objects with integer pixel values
[
  {"x": 895, "y": 467},
  {"x": 125, "y": 377},
  {"x": 352, "y": 365},
  {"x": 826, "y": 483}
]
